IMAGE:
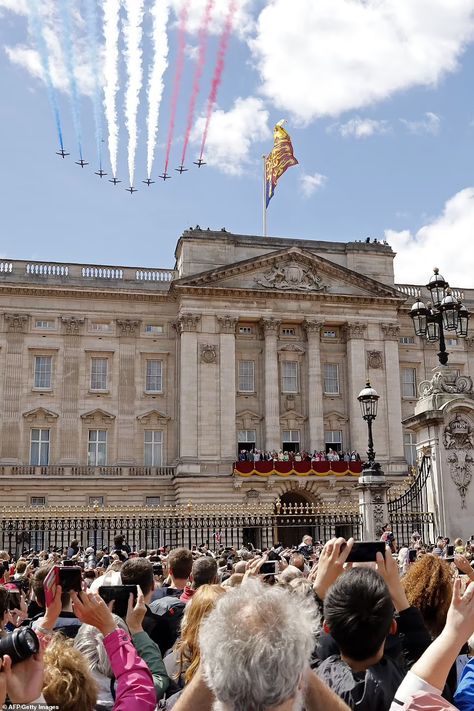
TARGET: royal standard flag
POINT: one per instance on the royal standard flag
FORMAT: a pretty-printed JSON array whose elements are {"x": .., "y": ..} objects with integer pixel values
[{"x": 280, "y": 159}]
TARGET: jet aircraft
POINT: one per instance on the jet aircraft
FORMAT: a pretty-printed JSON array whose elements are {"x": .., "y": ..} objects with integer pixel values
[
  {"x": 199, "y": 163},
  {"x": 100, "y": 173},
  {"x": 148, "y": 182},
  {"x": 62, "y": 153},
  {"x": 114, "y": 181},
  {"x": 181, "y": 169},
  {"x": 165, "y": 176},
  {"x": 131, "y": 190},
  {"x": 82, "y": 162}
]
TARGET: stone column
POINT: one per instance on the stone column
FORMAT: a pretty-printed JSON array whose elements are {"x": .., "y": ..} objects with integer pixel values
[
  {"x": 356, "y": 371},
  {"x": 315, "y": 389},
  {"x": 69, "y": 423},
  {"x": 188, "y": 390},
  {"x": 228, "y": 433},
  {"x": 272, "y": 390},
  {"x": 126, "y": 415},
  {"x": 391, "y": 333},
  {"x": 372, "y": 504},
  {"x": 16, "y": 325}
]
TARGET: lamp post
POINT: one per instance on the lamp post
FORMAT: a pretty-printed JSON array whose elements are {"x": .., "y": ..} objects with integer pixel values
[
  {"x": 443, "y": 313},
  {"x": 368, "y": 399}
]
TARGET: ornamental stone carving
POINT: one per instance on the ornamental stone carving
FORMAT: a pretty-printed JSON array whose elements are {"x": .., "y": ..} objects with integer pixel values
[
  {"x": 446, "y": 381},
  {"x": 374, "y": 360},
  {"x": 127, "y": 327},
  {"x": 312, "y": 328},
  {"x": 208, "y": 353},
  {"x": 227, "y": 324},
  {"x": 458, "y": 440},
  {"x": 187, "y": 323},
  {"x": 16, "y": 323},
  {"x": 270, "y": 326},
  {"x": 469, "y": 342},
  {"x": 391, "y": 331},
  {"x": 355, "y": 330},
  {"x": 291, "y": 277},
  {"x": 72, "y": 325}
]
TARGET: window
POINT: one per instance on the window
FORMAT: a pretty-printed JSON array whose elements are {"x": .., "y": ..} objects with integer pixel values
[
  {"x": 331, "y": 378},
  {"x": 246, "y": 439},
  {"x": 154, "y": 376},
  {"x": 288, "y": 331},
  {"x": 100, "y": 325},
  {"x": 153, "y": 501},
  {"x": 97, "y": 448},
  {"x": 291, "y": 441},
  {"x": 409, "y": 447},
  {"x": 407, "y": 340},
  {"x": 289, "y": 379},
  {"x": 99, "y": 368},
  {"x": 409, "y": 382},
  {"x": 96, "y": 501},
  {"x": 37, "y": 500},
  {"x": 153, "y": 328},
  {"x": 245, "y": 330},
  {"x": 43, "y": 369},
  {"x": 330, "y": 333},
  {"x": 333, "y": 440},
  {"x": 451, "y": 341},
  {"x": 153, "y": 448},
  {"x": 246, "y": 376},
  {"x": 43, "y": 324},
  {"x": 39, "y": 447}
]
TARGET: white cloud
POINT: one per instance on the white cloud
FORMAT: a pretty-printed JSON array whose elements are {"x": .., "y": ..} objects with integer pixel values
[
  {"x": 323, "y": 58},
  {"x": 440, "y": 243},
  {"x": 233, "y": 133},
  {"x": 360, "y": 127},
  {"x": 430, "y": 124},
  {"x": 243, "y": 21},
  {"x": 311, "y": 183}
]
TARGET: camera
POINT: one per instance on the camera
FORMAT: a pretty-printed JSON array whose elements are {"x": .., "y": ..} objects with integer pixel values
[
  {"x": 157, "y": 569},
  {"x": 20, "y": 644}
]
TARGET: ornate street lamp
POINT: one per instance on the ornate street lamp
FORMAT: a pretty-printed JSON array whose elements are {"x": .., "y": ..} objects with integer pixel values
[
  {"x": 443, "y": 313},
  {"x": 368, "y": 399}
]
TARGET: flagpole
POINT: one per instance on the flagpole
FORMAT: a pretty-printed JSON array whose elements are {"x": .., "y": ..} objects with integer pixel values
[{"x": 264, "y": 200}]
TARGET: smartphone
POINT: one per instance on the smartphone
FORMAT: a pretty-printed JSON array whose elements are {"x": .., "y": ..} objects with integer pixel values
[
  {"x": 120, "y": 595},
  {"x": 270, "y": 567},
  {"x": 157, "y": 569},
  {"x": 35, "y": 562},
  {"x": 450, "y": 551},
  {"x": 14, "y": 600},
  {"x": 365, "y": 551},
  {"x": 69, "y": 578},
  {"x": 411, "y": 555}
]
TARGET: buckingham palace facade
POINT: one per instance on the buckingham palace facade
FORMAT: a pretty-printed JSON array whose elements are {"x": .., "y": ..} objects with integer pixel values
[{"x": 141, "y": 385}]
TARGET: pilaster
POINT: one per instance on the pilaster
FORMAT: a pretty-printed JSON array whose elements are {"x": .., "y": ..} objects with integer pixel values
[
  {"x": 315, "y": 390},
  {"x": 272, "y": 400},
  {"x": 228, "y": 433},
  {"x": 69, "y": 422},
  {"x": 391, "y": 332},
  {"x": 355, "y": 335},
  {"x": 126, "y": 435},
  {"x": 16, "y": 325},
  {"x": 187, "y": 325}
]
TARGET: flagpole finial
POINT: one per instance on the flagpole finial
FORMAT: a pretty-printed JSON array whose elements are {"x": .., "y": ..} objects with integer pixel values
[{"x": 281, "y": 122}]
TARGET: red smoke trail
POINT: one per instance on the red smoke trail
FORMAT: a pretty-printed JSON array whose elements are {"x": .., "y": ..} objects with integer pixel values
[
  {"x": 183, "y": 20},
  {"x": 217, "y": 78},
  {"x": 203, "y": 36}
]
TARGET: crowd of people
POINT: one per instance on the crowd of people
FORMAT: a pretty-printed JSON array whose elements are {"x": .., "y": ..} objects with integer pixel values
[
  {"x": 284, "y": 629},
  {"x": 332, "y": 455}
]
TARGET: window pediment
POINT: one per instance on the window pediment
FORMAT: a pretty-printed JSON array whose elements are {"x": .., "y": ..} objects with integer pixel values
[
  {"x": 247, "y": 419},
  {"x": 292, "y": 420},
  {"x": 335, "y": 418},
  {"x": 40, "y": 414},
  {"x": 97, "y": 416},
  {"x": 153, "y": 417}
]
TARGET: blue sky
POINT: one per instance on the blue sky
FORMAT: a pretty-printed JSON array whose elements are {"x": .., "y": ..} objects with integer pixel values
[{"x": 384, "y": 138}]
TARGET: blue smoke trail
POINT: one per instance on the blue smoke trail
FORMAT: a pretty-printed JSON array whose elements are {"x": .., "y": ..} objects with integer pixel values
[
  {"x": 91, "y": 17},
  {"x": 67, "y": 35},
  {"x": 37, "y": 32}
]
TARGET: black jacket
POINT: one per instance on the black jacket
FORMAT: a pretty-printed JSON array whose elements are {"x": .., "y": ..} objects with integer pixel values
[{"x": 374, "y": 689}]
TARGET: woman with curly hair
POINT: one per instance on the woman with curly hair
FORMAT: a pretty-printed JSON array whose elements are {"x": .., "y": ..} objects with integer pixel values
[
  {"x": 429, "y": 587},
  {"x": 68, "y": 683}
]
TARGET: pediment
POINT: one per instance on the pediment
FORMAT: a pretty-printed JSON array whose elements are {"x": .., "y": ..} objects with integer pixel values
[
  {"x": 97, "y": 415},
  {"x": 152, "y": 416},
  {"x": 248, "y": 419},
  {"x": 292, "y": 419},
  {"x": 40, "y": 413},
  {"x": 290, "y": 270}
]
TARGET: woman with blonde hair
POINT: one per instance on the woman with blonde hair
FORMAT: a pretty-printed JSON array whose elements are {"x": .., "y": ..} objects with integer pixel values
[
  {"x": 184, "y": 659},
  {"x": 68, "y": 683}
]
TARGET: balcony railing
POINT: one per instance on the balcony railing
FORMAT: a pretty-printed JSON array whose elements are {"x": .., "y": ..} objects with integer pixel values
[
  {"x": 84, "y": 471},
  {"x": 283, "y": 469}
]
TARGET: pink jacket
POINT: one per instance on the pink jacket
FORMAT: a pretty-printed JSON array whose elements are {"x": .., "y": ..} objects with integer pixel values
[{"x": 135, "y": 690}]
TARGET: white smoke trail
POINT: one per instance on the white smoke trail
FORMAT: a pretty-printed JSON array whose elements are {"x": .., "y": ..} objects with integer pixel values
[
  {"x": 111, "y": 35},
  {"x": 160, "y": 14},
  {"x": 133, "y": 54}
]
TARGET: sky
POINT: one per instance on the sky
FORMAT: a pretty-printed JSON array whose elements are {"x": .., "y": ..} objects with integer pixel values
[{"x": 377, "y": 94}]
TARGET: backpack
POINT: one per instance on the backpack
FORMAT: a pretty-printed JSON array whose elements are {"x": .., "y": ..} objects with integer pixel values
[{"x": 163, "y": 621}]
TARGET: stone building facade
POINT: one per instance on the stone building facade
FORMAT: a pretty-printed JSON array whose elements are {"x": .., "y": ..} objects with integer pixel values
[{"x": 140, "y": 385}]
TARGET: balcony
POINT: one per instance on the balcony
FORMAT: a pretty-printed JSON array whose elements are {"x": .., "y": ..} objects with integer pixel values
[
  {"x": 300, "y": 469},
  {"x": 67, "y": 472}
]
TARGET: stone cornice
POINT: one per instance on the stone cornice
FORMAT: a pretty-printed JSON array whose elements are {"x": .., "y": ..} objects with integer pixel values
[{"x": 109, "y": 294}]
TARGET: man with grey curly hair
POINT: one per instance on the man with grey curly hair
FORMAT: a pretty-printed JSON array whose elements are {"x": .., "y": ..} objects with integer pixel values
[{"x": 255, "y": 650}]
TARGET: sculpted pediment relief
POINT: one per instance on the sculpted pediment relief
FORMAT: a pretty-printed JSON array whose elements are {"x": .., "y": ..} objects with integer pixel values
[
  {"x": 291, "y": 420},
  {"x": 40, "y": 413},
  {"x": 289, "y": 270},
  {"x": 153, "y": 417},
  {"x": 98, "y": 415},
  {"x": 247, "y": 419}
]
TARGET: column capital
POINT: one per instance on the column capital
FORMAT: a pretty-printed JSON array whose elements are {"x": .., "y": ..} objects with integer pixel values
[
  {"x": 270, "y": 325},
  {"x": 187, "y": 323},
  {"x": 16, "y": 323},
  {"x": 355, "y": 329},
  {"x": 391, "y": 331},
  {"x": 72, "y": 325},
  {"x": 227, "y": 324},
  {"x": 127, "y": 327},
  {"x": 312, "y": 327}
]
